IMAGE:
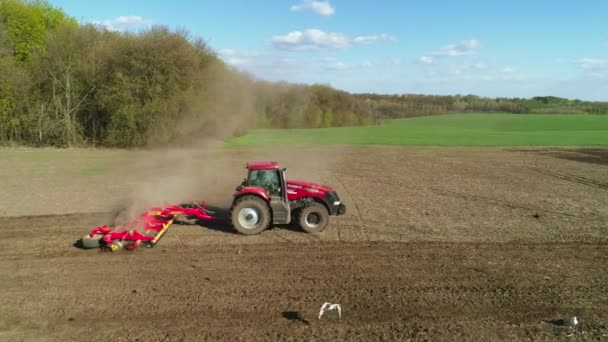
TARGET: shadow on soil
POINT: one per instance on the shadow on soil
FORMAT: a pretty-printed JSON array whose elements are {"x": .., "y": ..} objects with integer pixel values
[
  {"x": 584, "y": 155},
  {"x": 294, "y": 316},
  {"x": 223, "y": 225},
  {"x": 78, "y": 244},
  {"x": 557, "y": 322}
]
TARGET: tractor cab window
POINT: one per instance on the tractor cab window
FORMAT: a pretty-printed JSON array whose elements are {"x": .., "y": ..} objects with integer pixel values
[{"x": 268, "y": 179}]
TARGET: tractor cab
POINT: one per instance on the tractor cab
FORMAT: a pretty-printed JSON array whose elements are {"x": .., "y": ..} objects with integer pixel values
[{"x": 268, "y": 176}]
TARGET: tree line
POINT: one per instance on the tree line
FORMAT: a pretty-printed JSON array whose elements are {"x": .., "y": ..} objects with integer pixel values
[
  {"x": 407, "y": 105},
  {"x": 68, "y": 84}
]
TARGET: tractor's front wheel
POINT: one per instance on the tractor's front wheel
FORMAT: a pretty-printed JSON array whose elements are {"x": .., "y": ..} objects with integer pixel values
[
  {"x": 250, "y": 215},
  {"x": 313, "y": 218}
]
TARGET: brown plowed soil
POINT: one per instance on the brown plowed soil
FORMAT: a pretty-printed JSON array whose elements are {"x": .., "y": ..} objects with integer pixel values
[{"x": 437, "y": 244}]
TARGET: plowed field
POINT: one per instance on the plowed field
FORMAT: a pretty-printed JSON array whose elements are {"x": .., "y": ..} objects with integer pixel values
[{"x": 437, "y": 244}]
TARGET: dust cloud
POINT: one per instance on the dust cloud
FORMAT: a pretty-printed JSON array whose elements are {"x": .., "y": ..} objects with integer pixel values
[{"x": 195, "y": 166}]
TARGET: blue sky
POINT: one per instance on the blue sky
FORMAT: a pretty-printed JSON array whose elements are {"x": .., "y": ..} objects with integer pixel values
[{"x": 489, "y": 48}]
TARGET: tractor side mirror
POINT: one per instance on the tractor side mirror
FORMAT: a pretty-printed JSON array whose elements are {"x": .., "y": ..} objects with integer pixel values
[{"x": 242, "y": 185}]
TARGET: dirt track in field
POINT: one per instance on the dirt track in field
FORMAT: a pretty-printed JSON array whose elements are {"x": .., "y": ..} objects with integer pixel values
[{"x": 437, "y": 244}]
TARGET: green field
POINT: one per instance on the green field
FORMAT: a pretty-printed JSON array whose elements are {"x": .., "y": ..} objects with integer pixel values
[{"x": 450, "y": 130}]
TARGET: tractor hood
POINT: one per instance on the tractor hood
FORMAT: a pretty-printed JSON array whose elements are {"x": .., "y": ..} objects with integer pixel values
[{"x": 295, "y": 184}]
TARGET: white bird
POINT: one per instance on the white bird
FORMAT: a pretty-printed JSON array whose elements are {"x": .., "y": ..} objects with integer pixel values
[
  {"x": 573, "y": 321},
  {"x": 330, "y": 306}
]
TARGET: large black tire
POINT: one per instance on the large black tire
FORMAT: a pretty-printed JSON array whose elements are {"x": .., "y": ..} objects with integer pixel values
[
  {"x": 250, "y": 215},
  {"x": 313, "y": 218}
]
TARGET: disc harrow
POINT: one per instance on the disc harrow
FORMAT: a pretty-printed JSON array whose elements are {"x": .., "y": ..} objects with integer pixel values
[{"x": 145, "y": 231}]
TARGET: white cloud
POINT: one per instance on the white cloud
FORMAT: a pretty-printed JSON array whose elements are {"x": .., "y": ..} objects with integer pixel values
[
  {"x": 312, "y": 39},
  {"x": 331, "y": 63},
  {"x": 315, "y": 39},
  {"x": 322, "y": 8},
  {"x": 123, "y": 23},
  {"x": 514, "y": 77},
  {"x": 276, "y": 65},
  {"x": 262, "y": 64},
  {"x": 239, "y": 58},
  {"x": 593, "y": 64},
  {"x": 228, "y": 52},
  {"x": 374, "y": 38},
  {"x": 452, "y": 71},
  {"x": 291, "y": 61},
  {"x": 425, "y": 60},
  {"x": 465, "y": 47},
  {"x": 236, "y": 61},
  {"x": 339, "y": 66},
  {"x": 234, "y": 53},
  {"x": 594, "y": 67}
]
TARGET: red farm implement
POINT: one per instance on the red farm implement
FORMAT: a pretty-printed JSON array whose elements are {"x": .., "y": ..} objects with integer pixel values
[{"x": 154, "y": 224}]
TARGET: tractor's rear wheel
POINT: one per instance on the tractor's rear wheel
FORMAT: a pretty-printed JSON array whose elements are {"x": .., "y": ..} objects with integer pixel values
[
  {"x": 313, "y": 218},
  {"x": 250, "y": 215}
]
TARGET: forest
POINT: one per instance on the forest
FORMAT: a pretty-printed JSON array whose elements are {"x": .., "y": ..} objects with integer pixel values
[
  {"x": 399, "y": 106},
  {"x": 64, "y": 83}
]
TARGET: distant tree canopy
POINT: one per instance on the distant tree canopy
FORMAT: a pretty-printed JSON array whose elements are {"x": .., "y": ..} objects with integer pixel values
[
  {"x": 26, "y": 25},
  {"x": 65, "y": 84},
  {"x": 399, "y": 106}
]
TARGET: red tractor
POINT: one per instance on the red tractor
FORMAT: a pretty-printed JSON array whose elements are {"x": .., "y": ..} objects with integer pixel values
[{"x": 266, "y": 197}]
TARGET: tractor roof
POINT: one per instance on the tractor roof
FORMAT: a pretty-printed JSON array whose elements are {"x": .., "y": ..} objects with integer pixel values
[{"x": 261, "y": 165}]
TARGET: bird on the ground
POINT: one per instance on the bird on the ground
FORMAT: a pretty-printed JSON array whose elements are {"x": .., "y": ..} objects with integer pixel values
[{"x": 330, "y": 306}]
